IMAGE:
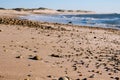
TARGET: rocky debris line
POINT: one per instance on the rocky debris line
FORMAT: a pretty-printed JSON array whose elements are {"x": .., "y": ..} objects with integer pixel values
[
  {"x": 46, "y": 25},
  {"x": 24, "y": 22}
]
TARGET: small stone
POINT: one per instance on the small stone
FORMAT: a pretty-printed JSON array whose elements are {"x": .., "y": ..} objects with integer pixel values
[
  {"x": 32, "y": 38},
  {"x": 64, "y": 78},
  {"x": 3, "y": 46},
  {"x": 35, "y": 51},
  {"x": 97, "y": 71},
  {"x": 26, "y": 79},
  {"x": 59, "y": 36},
  {"x": 100, "y": 73},
  {"x": 55, "y": 55},
  {"x": 49, "y": 76},
  {"x": 109, "y": 73},
  {"x": 112, "y": 77},
  {"x": 29, "y": 65},
  {"x": 37, "y": 57},
  {"x": 92, "y": 76},
  {"x": 19, "y": 56},
  {"x": 84, "y": 79},
  {"x": 0, "y": 30},
  {"x": 116, "y": 78},
  {"x": 80, "y": 74},
  {"x": 48, "y": 34},
  {"x": 93, "y": 70},
  {"x": 29, "y": 75}
]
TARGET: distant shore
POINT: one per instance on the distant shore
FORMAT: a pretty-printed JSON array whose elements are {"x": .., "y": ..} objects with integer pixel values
[{"x": 42, "y": 10}]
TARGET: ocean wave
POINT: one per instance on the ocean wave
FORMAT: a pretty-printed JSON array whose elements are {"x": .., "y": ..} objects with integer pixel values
[{"x": 103, "y": 20}]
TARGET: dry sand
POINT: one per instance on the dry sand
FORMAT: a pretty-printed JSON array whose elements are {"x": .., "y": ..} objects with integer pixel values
[
  {"x": 9, "y": 12},
  {"x": 77, "y": 52}
]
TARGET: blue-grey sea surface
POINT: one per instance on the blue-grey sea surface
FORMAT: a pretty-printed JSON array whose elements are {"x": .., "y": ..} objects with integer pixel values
[{"x": 94, "y": 20}]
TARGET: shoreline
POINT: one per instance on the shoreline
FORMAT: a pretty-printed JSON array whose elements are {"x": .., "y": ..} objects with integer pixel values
[
  {"x": 66, "y": 21},
  {"x": 31, "y": 50},
  {"x": 24, "y": 22}
]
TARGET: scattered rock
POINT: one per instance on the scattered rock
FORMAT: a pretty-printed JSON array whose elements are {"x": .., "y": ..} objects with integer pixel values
[
  {"x": 29, "y": 75},
  {"x": 49, "y": 76},
  {"x": 37, "y": 58},
  {"x": 80, "y": 74},
  {"x": 25, "y": 22},
  {"x": 95, "y": 37},
  {"x": 19, "y": 56},
  {"x": 64, "y": 78},
  {"x": 35, "y": 51},
  {"x": 0, "y": 30},
  {"x": 84, "y": 79},
  {"x": 55, "y": 55},
  {"x": 27, "y": 79},
  {"x": 92, "y": 76},
  {"x": 117, "y": 78}
]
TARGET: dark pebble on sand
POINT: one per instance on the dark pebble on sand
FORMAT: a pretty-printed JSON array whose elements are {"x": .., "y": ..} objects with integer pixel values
[
  {"x": 55, "y": 55},
  {"x": 29, "y": 75},
  {"x": 35, "y": 51},
  {"x": 94, "y": 37},
  {"x": 92, "y": 76},
  {"x": 36, "y": 58},
  {"x": 116, "y": 78},
  {"x": 49, "y": 76},
  {"x": 84, "y": 79},
  {"x": 19, "y": 56}
]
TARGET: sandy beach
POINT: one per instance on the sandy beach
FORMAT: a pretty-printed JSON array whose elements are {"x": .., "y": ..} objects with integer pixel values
[{"x": 47, "y": 51}]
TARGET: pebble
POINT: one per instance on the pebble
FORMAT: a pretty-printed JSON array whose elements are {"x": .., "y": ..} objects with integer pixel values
[
  {"x": 26, "y": 79},
  {"x": 84, "y": 79},
  {"x": 19, "y": 56},
  {"x": 92, "y": 76},
  {"x": 80, "y": 74},
  {"x": 49, "y": 76},
  {"x": 116, "y": 78},
  {"x": 37, "y": 57},
  {"x": 29, "y": 75},
  {"x": 55, "y": 55},
  {"x": 64, "y": 78}
]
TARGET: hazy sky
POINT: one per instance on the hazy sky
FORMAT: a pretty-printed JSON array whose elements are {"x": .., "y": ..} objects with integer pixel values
[{"x": 102, "y": 6}]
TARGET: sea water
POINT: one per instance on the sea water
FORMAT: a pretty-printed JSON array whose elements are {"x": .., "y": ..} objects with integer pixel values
[{"x": 94, "y": 20}]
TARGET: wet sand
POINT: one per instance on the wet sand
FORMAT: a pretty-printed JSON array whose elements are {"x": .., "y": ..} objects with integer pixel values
[{"x": 37, "y": 53}]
